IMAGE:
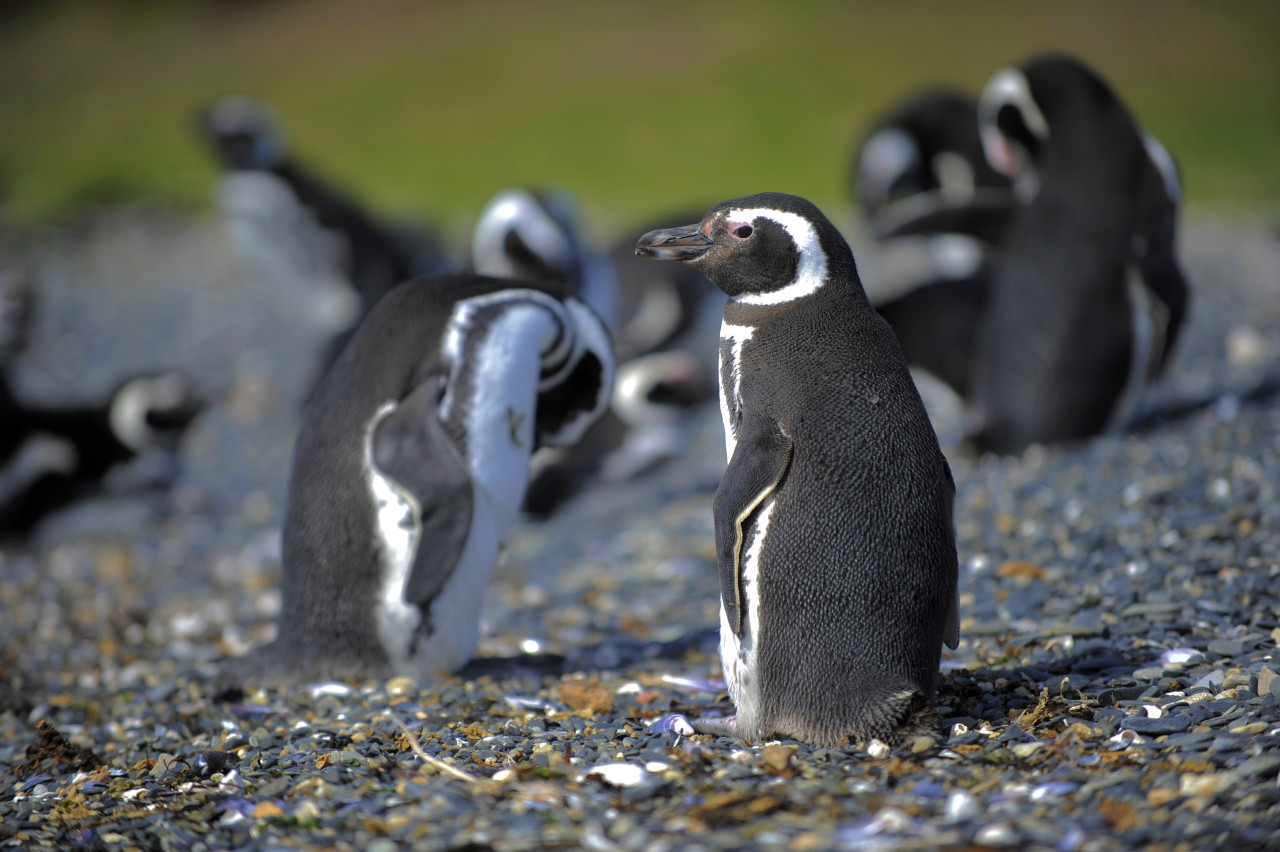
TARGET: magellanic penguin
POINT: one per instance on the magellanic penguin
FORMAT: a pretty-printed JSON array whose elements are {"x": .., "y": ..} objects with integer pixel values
[
  {"x": 51, "y": 456},
  {"x": 410, "y": 465},
  {"x": 834, "y": 534},
  {"x": 1087, "y": 296},
  {"x": 247, "y": 137}
]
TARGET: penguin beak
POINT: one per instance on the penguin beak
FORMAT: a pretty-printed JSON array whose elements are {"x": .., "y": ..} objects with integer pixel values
[{"x": 685, "y": 243}]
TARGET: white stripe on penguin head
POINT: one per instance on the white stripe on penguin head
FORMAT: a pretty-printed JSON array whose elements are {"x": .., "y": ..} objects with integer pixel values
[{"x": 811, "y": 271}]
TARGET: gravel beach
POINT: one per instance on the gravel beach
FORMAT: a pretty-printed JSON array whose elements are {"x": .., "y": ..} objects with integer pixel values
[{"x": 1117, "y": 683}]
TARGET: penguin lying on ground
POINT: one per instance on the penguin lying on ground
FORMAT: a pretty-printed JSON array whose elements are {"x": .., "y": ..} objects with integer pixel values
[
  {"x": 834, "y": 535},
  {"x": 1088, "y": 297},
  {"x": 537, "y": 236},
  {"x": 51, "y": 456},
  {"x": 410, "y": 465}
]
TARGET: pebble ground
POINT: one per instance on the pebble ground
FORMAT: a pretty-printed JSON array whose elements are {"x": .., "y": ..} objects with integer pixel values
[{"x": 1117, "y": 685}]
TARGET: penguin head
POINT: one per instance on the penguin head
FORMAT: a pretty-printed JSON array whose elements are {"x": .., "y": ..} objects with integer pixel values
[
  {"x": 153, "y": 411},
  {"x": 1052, "y": 103},
  {"x": 575, "y": 390},
  {"x": 245, "y": 134},
  {"x": 930, "y": 143},
  {"x": 766, "y": 249},
  {"x": 528, "y": 235},
  {"x": 659, "y": 387}
]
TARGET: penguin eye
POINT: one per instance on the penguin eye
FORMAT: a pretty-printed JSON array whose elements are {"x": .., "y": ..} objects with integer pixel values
[{"x": 743, "y": 232}]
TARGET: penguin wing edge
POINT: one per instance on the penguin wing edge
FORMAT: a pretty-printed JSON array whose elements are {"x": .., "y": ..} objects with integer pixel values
[
  {"x": 411, "y": 447},
  {"x": 759, "y": 463}
]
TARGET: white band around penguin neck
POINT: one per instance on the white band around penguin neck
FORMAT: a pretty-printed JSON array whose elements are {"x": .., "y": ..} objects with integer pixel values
[{"x": 811, "y": 271}]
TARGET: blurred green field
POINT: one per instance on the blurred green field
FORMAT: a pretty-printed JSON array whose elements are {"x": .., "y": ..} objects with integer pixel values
[{"x": 425, "y": 108}]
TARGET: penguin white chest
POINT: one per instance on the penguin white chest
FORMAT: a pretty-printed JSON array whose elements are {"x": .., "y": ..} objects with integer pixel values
[
  {"x": 738, "y": 653},
  {"x": 733, "y": 338}
]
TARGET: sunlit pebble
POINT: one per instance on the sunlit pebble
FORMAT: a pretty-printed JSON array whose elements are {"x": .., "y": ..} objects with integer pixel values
[
  {"x": 1153, "y": 712},
  {"x": 1131, "y": 494},
  {"x": 330, "y": 688},
  {"x": 959, "y": 728},
  {"x": 996, "y": 834},
  {"x": 1177, "y": 656},
  {"x": 960, "y": 806},
  {"x": 1124, "y": 739},
  {"x": 630, "y": 688},
  {"x": 1168, "y": 538},
  {"x": 1072, "y": 511},
  {"x": 979, "y": 562},
  {"x": 1135, "y": 569},
  {"x": 887, "y": 820},
  {"x": 530, "y": 646},
  {"x": 622, "y": 774},
  {"x": 877, "y": 749},
  {"x": 1220, "y": 488}
]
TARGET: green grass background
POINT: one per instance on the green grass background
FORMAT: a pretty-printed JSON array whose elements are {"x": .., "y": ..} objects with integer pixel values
[{"x": 426, "y": 108}]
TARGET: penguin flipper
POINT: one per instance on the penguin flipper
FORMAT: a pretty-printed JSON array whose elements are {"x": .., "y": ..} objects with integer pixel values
[
  {"x": 760, "y": 461},
  {"x": 411, "y": 447}
]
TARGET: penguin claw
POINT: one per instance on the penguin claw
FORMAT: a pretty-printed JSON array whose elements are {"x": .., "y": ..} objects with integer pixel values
[{"x": 716, "y": 726}]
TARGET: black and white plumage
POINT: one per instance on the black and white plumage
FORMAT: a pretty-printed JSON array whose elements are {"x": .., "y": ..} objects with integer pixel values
[
  {"x": 51, "y": 456},
  {"x": 410, "y": 467},
  {"x": 1088, "y": 296},
  {"x": 834, "y": 534},
  {"x": 921, "y": 169},
  {"x": 939, "y": 210},
  {"x": 537, "y": 236}
]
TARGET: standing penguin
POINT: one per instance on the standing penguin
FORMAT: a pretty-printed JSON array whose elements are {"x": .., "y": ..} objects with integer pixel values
[
  {"x": 834, "y": 534},
  {"x": 410, "y": 466},
  {"x": 1087, "y": 296}
]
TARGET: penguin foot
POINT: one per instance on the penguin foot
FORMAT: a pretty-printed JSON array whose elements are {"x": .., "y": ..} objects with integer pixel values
[{"x": 681, "y": 725}]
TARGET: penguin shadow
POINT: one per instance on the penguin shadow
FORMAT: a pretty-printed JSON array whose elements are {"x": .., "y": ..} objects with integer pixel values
[{"x": 612, "y": 654}]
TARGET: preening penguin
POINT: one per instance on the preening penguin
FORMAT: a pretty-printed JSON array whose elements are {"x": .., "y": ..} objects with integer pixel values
[
  {"x": 1088, "y": 295},
  {"x": 410, "y": 466},
  {"x": 834, "y": 535}
]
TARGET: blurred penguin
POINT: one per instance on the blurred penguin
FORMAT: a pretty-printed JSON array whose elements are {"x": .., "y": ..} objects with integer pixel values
[{"x": 1088, "y": 295}]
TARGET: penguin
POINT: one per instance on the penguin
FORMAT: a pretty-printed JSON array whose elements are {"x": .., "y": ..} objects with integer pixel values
[
  {"x": 51, "y": 456},
  {"x": 537, "y": 236},
  {"x": 921, "y": 169},
  {"x": 835, "y": 541},
  {"x": 410, "y": 465},
  {"x": 1087, "y": 297},
  {"x": 373, "y": 256}
]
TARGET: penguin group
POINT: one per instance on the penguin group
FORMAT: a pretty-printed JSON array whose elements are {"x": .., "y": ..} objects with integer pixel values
[
  {"x": 1055, "y": 295},
  {"x": 462, "y": 388}
]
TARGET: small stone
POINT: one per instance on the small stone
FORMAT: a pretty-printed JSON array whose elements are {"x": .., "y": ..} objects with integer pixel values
[
  {"x": 1249, "y": 728},
  {"x": 586, "y": 695},
  {"x": 399, "y": 686},
  {"x": 267, "y": 810},
  {"x": 922, "y": 744},
  {"x": 1148, "y": 673},
  {"x": 1025, "y": 750},
  {"x": 877, "y": 750},
  {"x": 1227, "y": 647},
  {"x": 1209, "y": 784},
  {"x": 1160, "y": 796},
  {"x": 996, "y": 834},
  {"x": 1173, "y": 724},
  {"x": 777, "y": 757},
  {"x": 1268, "y": 682}
]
